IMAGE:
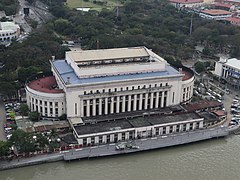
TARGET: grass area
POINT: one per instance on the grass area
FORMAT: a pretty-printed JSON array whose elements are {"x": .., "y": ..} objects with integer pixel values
[{"x": 89, "y": 3}]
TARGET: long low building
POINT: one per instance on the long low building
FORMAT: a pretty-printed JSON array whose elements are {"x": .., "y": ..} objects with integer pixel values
[
  {"x": 141, "y": 127},
  {"x": 91, "y": 83}
]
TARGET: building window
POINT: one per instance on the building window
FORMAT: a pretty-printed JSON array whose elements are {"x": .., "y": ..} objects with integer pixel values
[
  {"x": 75, "y": 108},
  {"x": 56, "y": 104},
  {"x": 45, "y": 103},
  {"x": 84, "y": 92}
]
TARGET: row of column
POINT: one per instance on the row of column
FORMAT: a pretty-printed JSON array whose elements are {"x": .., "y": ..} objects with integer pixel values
[{"x": 97, "y": 108}]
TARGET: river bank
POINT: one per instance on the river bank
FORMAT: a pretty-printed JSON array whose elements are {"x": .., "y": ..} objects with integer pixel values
[
  {"x": 22, "y": 162},
  {"x": 109, "y": 149}
]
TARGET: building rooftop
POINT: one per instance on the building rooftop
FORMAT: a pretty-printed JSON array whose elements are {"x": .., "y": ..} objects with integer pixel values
[
  {"x": 186, "y": 1},
  {"x": 107, "y": 54},
  {"x": 191, "y": 107},
  {"x": 218, "y": 4},
  {"x": 70, "y": 77},
  {"x": 233, "y": 19},
  {"x": 45, "y": 84},
  {"x": 187, "y": 74},
  {"x": 134, "y": 122},
  {"x": 234, "y": 62},
  {"x": 215, "y": 12},
  {"x": 9, "y": 26}
]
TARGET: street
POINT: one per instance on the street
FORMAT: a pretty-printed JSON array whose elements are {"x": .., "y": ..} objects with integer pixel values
[{"x": 2, "y": 121}]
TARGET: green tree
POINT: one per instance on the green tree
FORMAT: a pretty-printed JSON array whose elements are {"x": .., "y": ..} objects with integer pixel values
[
  {"x": 23, "y": 141},
  {"x": 34, "y": 116},
  {"x": 4, "y": 148},
  {"x": 42, "y": 140},
  {"x": 199, "y": 66},
  {"x": 24, "y": 110}
]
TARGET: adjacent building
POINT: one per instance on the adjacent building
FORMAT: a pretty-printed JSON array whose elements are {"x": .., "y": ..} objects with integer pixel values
[
  {"x": 216, "y": 14},
  {"x": 186, "y": 3},
  {"x": 229, "y": 70},
  {"x": 8, "y": 31}
]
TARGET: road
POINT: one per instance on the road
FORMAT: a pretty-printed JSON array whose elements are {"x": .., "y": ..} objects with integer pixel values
[
  {"x": 39, "y": 12},
  {"x": 2, "y": 121}
]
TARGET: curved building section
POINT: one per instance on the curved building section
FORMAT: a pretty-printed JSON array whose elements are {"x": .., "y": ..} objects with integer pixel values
[
  {"x": 187, "y": 85},
  {"x": 44, "y": 96}
]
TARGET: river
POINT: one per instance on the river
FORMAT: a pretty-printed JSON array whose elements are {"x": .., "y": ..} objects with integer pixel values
[{"x": 213, "y": 159}]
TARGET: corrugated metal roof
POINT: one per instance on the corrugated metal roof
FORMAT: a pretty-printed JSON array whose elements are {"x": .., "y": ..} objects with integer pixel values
[
  {"x": 104, "y": 54},
  {"x": 64, "y": 72}
]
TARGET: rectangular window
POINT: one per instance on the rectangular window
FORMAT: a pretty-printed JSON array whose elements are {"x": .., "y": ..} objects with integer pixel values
[
  {"x": 75, "y": 108},
  {"x": 56, "y": 104}
]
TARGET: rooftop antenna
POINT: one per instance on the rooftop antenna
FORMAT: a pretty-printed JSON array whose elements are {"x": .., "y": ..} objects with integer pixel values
[
  {"x": 97, "y": 44},
  {"x": 117, "y": 9},
  {"x": 68, "y": 80},
  {"x": 191, "y": 26}
]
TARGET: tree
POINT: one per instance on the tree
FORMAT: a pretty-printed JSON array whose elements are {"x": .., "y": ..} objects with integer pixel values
[
  {"x": 199, "y": 66},
  {"x": 24, "y": 110},
  {"x": 23, "y": 141},
  {"x": 34, "y": 116},
  {"x": 42, "y": 140},
  {"x": 4, "y": 148}
]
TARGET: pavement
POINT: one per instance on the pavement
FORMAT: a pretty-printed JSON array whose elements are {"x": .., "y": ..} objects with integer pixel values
[{"x": 2, "y": 121}]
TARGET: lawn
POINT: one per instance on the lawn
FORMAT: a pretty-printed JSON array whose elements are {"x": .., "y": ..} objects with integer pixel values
[{"x": 89, "y": 3}]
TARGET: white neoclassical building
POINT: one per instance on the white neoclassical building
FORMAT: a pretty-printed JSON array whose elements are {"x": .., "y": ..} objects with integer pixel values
[
  {"x": 93, "y": 83},
  {"x": 9, "y": 31}
]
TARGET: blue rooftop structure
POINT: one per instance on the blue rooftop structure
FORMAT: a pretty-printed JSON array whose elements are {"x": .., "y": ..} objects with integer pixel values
[{"x": 65, "y": 71}]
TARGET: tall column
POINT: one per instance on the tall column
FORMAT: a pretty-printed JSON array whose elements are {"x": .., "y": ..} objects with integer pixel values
[
  {"x": 112, "y": 105},
  {"x": 123, "y": 103},
  {"x": 146, "y": 101},
  {"x": 168, "y": 99},
  {"x": 157, "y": 100},
  {"x": 88, "y": 108},
  {"x": 106, "y": 105},
  {"x": 118, "y": 104},
  {"x": 100, "y": 106},
  {"x": 81, "y": 108},
  {"x": 162, "y": 99},
  {"x": 129, "y": 103},
  {"x": 94, "y": 107},
  {"x": 135, "y": 102},
  {"x": 140, "y": 102},
  {"x": 151, "y": 101}
]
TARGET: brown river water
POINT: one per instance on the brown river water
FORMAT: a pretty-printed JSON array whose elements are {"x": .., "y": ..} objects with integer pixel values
[{"x": 213, "y": 159}]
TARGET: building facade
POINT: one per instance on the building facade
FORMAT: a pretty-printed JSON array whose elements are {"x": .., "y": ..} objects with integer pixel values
[
  {"x": 136, "y": 128},
  {"x": 112, "y": 81},
  {"x": 229, "y": 70}
]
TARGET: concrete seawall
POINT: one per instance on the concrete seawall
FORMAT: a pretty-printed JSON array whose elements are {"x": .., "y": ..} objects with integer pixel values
[
  {"x": 40, "y": 159},
  {"x": 147, "y": 144},
  {"x": 109, "y": 149}
]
